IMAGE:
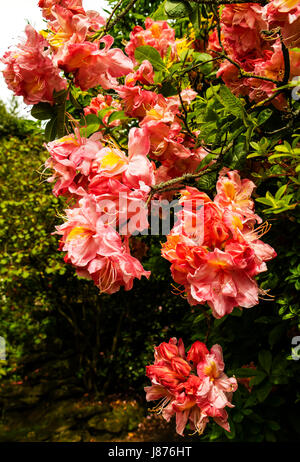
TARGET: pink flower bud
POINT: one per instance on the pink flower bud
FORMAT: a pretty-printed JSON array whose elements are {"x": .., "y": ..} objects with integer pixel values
[
  {"x": 197, "y": 352},
  {"x": 167, "y": 351},
  {"x": 181, "y": 366}
]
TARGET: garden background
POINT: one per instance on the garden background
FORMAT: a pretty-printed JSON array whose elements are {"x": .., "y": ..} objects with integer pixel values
[{"x": 75, "y": 360}]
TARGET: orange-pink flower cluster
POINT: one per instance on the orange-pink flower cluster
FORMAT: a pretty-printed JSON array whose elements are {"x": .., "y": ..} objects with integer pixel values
[
  {"x": 34, "y": 70},
  {"x": 215, "y": 249},
  {"x": 157, "y": 34},
  {"x": 30, "y": 71},
  {"x": 101, "y": 102},
  {"x": 192, "y": 386},
  {"x": 109, "y": 187},
  {"x": 159, "y": 116},
  {"x": 96, "y": 248},
  {"x": 249, "y": 35}
]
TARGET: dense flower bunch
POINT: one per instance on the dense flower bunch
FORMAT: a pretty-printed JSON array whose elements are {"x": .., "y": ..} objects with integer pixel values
[
  {"x": 107, "y": 185},
  {"x": 217, "y": 264},
  {"x": 30, "y": 72},
  {"x": 192, "y": 386},
  {"x": 101, "y": 102},
  {"x": 33, "y": 69},
  {"x": 251, "y": 39},
  {"x": 157, "y": 34},
  {"x": 215, "y": 246}
]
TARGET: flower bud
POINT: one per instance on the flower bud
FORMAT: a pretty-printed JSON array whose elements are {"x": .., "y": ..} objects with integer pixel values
[
  {"x": 180, "y": 366},
  {"x": 167, "y": 351},
  {"x": 197, "y": 352}
]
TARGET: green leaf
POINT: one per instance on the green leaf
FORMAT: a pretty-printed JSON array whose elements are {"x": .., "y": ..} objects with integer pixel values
[
  {"x": 160, "y": 14},
  {"x": 42, "y": 111},
  {"x": 247, "y": 372},
  {"x": 51, "y": 129},
  {"x": 280, "y": 192},
  {"x": 102, "y": 113},
  {"x": 177, "y": 9},
  {"x": 60, "y": 96},
  {"x": 263, "y": 392},
  {"x": 276, "y": 156},
  {"x": 263, "y": 116},
  {"x": 283, "y": 148},
  {"x": 167, "y": 89},
  {"x": 207, "y": 159},
  {"x": 274, "y": 425},
  {"x": 195, "y": 17},
  {"x": 258, "y": 379},
  {"x": 231, "y": 102},
  {"x": 152, "y": 55},
  {"x": 265, "y": 360},
  {"x": 238, "y": 417},
  {"x": 74, "y": 101},
  {"x": 207, "y": 181},
  {"x": 263, "y": 200},
  {"x": 117, "y": 115},
  {"x": 90, "y": 124},
  {"x": 201, "y": 57}
]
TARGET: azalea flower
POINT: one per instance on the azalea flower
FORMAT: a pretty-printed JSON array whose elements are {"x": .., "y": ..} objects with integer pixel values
[
  {"x": 30, "y": 72},
  {"x": 192, "y": 387},
  {"x": 104, "y": 102},
  {"x": 214, "y": 248},
  {"x": 286, "y": 15},
  {"x": 91, "y": 65},
  {"x": 157, "y": 34},
  {"x": 96, "y": 249},
  {"x": 75, "y": 6},
  {"x": 69, "y": 156}
]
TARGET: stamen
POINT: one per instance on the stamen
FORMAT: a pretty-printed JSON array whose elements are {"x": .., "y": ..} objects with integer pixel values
[
  {"x": 261, "y": 230},
  {"x": 178, "y": 291},
  {"x": 266, "y": 294},
  {"x": 161, "y": 405}
]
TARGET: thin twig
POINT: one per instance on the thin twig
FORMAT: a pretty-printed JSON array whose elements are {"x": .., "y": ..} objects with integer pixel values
[
  {"x": 286, "y": 58},
  {"x": 267, "y": 100},
  {"x": 111, "y": 15},
  {"x": 121, "y": 15},
  {"x": 165, "y": 186},
  {"x": 184, "y": 118},
  {"x": 245, "y": 74}
]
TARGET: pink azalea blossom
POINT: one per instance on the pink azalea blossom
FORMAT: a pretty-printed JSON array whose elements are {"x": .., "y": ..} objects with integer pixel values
[
  {"x": 70, "y": 155},
  {"x": 223, "y": 286},
  {"x": 235, "y": 193},
  {"x": 136, "y": 101},
  {"x": 121, "y": 205},
  {"x": 215, "y": 250},
  {"x": 157, "y": 34},
  {"x": 192, "y": 387},
  {"x": 286, "y": 15},
  {"x": 144, "y": 74},
  {"x": 104, "y": 102},
  {"x": 30, "y": 71},
  {"x": 75, "y": 6},
  {"x": 96, "y": 249},
  {"x": 65, "y": 26},
  {"x": 241, "y": 25},
  {"x": 134, "y": 169},
  {"x": 93, "y": 66}
]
